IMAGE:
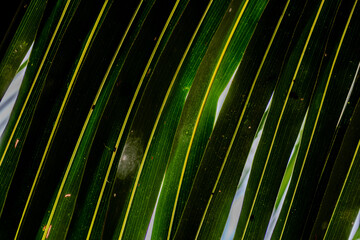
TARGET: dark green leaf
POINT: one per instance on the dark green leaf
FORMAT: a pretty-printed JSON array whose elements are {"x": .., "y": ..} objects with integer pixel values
[
  {"x": 20, "y": 43},
  {"x": 328, "y": 100}
]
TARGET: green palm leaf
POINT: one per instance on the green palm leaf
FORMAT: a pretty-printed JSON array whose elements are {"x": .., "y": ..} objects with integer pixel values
[
  {"x": 324, "y": 101},
  {"x": 20, "y": 43},
  {"x": 180, "y": 119}
]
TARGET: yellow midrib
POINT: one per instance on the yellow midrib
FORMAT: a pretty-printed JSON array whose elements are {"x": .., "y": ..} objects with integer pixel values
[
  {"x": 128, "y": 115},
  {"x": 81, "y": 59},
  {"x": 31, "y": 89},
  {"x": 107, "y": 73},
  {"x": 200, "y": 113},
  {"x": 35, "y": 80},
  {"x": 317, "y": 117},
  {"x": 281, "y": 114},
  {"x": 342, "y": 189},
  {"x": 242, "y": 114},
  {"x": 157, "y": 121}
]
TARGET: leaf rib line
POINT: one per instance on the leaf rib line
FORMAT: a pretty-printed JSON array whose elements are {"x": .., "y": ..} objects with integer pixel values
[
  {"x": 106, "y": 75},
  {"x": 129, "y": 111},
  {"x": 281, "y": 114},
  {"x": 35, "y": 80},
  {"x": 200, "y": 112},
  {"x": 349, "y": 94},
  {"x": 68, "y": 92},
  {"x": 243, "y": 113},
  {"x": 157, "y": 121},
  {"x": 203, "y": 217},
  {"x": 317, "y": 117},
  {"x": 31, "y": 89},
  {"x": 342, "y": 189}
]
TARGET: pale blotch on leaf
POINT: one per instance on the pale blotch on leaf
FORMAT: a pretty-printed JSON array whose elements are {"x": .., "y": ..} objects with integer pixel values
[{"x": 130, "y": 157}]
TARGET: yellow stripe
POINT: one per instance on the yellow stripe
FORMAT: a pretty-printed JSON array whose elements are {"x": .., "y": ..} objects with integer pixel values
[
  {"x": 342, "y": 189},
  {"x": 106, "y": 75},
  {"x": 88, "y": 42},
  {"x": 203, "y": 217},
  {"x": 201, "y": 110},
  {"x": 127, "y": 117},
  {"x": 281, "y": 114},
  {"x": 31, "y": 89},
  {"x": 157, "y": 121},
  {"x": 35, "y": 79},
  {"x": 317, "y": 117},
  {"x": 243, "y": 111}
]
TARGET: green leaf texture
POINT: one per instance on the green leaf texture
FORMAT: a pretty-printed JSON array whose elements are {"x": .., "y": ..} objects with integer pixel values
[{"x": 181, "y": 119}]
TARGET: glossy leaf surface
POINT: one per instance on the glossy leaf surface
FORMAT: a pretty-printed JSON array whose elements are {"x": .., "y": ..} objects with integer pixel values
[{"x": 180, "y": 119}]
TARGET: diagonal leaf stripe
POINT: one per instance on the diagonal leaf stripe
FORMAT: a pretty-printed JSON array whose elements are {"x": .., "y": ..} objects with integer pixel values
[
  {"x": 107, "y": 73},
  {"x": 226, "y": 74},
  {"x": 23, "y": 111},
  {"x": 159, "y": 149},
  {"x": 346, "y": 147},
  {"x": 282, "y": 112},
  {"x": 135, "y": 50},
  {"x": 200, "y": 112},
  {"x": 35, "y": 79},
  {"x": 202, "y": 189},
  {"x": 53, "y": 132},
  {"x": 355, "y": 156},
  {"x": 157, "y": 121},
  {"x": 20, "y": 44},
  {"x": 189, "y": 117},
  {"x": 68, "y": 93},
  {"x": 180, "y": 119},
  {"x": 118, "y": 99},
  {"x": 128, "y": 115},
  {"x": 318, "y": 114},
  {"x": 242, "y": 114}
]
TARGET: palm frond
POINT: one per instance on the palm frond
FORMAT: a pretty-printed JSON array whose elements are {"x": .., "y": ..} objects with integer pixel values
[{"x": 180, "y": 119}]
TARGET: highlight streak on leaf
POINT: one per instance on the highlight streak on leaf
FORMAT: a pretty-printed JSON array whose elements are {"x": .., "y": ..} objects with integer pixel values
[
  {"x": 10, "y": 96},
  {"x": 355, "y": 156},
  {"x": 242, "y": 115},
  {"x": 157, "y": 121},
  {"x": 349, "y": 94},
  {"x": 68, "y": 92},
  {"x": 154, "y": 167},
  {"x": 106, "y": 75},
  {"x": 318, "y": 114},
  {"x": 25, "y": 108},
  {"x": 200, "y": 112},
  {"x": 283, "y": 189},
  {"x": 35, "y": 79},
  {"x": 20, "y": 44},
  {"x": 128, "y": 115},
  {"x": 281, "y": 114}
]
